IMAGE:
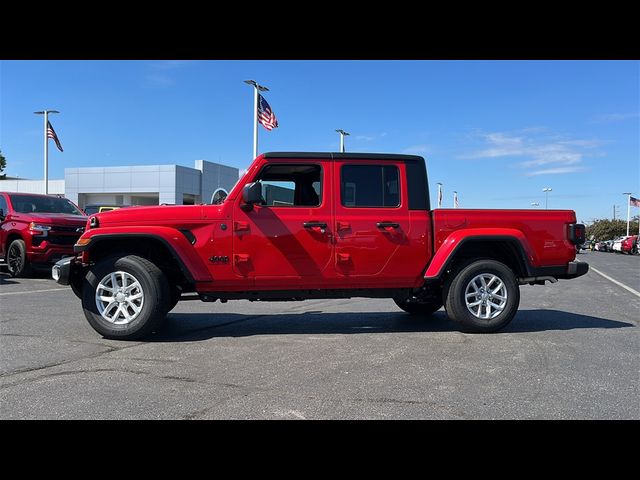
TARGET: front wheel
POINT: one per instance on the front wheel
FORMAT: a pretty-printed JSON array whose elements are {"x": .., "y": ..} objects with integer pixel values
[
  {"x": 17, "y": 262},
  {"x": 125, "y": 298},
  {"x": 483, "y": 296}
]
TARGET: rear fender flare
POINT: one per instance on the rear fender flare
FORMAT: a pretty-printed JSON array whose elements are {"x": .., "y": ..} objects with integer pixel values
[{"x": 452, "y": 244}]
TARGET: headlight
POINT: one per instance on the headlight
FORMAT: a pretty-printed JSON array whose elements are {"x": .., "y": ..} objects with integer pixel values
[{"x": 37, "y": 228}]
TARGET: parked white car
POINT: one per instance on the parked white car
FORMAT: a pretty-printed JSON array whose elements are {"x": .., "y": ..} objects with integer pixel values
[{"x": 617, "y": 244}]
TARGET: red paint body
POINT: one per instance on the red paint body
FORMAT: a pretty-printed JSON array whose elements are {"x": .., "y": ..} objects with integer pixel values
[
  {"x": 268, "y": 248},
  {"x": 42, "y": 247}
]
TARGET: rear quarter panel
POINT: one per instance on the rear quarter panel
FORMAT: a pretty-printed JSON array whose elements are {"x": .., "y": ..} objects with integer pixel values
[{"x": 544, "y": 233}]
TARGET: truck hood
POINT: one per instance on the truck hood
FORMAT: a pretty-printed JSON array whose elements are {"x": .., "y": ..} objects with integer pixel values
[
  {"x": 57, "y": 219},
  {"x": 154, "y": 215}
]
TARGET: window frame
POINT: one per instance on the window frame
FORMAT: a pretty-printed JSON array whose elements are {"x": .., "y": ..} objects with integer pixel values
[
  {"x": 381, "y": 165},
  {"x": 303, "y": 164}
]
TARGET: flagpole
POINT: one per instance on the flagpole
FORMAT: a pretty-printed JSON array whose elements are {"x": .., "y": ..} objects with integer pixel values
[
  {"x": 46, "y": 154},
  {"x": 342, "y": 134},
  {"x": 255, "y": 121},
  {"x": 256, "y": 88},
  {"x": 46, "y": 147},
  {"x": 628, "y": 210}
]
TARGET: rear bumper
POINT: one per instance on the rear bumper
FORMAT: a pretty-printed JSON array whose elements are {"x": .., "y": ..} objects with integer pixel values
[{"x": 571, "y": 270}]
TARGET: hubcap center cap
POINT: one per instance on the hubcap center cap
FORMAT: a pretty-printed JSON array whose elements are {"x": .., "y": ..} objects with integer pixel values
[{"x": 120, "y": 297}]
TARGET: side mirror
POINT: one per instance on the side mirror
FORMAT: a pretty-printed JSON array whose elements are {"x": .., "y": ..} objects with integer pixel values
[{"x": 252, "y": 193}]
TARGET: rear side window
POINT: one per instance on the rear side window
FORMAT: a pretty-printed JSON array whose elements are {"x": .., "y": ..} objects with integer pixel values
[{"x": 370, "y": 186}]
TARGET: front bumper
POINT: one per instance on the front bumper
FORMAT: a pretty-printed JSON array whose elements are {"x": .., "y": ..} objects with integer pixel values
[{"x": 60, "y": 271}]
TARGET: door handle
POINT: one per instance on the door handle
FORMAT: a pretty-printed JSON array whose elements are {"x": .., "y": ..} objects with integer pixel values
[
  {"x": 387, "y": 225},
  {"x": 321, "y": 225},
  {"x": 315, "y": 224}
]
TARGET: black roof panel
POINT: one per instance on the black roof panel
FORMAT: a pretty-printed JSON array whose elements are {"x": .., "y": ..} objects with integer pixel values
[{"x": 346, "y": 155}]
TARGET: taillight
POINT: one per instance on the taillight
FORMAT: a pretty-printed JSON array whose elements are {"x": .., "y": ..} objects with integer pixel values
[{"x": 577, "y": 233}]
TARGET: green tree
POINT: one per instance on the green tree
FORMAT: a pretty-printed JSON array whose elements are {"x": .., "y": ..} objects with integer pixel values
[
  {"x": 606, "y": 229},
  {"x": 3, "y": 164}
]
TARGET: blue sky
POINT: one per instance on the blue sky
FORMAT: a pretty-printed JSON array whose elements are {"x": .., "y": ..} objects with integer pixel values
[{"x": 498, "y": 132}]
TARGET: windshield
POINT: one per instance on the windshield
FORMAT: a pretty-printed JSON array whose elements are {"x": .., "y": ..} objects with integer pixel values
[{"x": 34, "y": 204}]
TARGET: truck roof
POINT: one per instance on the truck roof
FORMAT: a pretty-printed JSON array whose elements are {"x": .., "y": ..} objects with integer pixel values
[{"x": 336, "y": 156}]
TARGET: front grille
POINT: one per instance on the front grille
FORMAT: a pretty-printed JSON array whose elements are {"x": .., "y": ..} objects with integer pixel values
[
  {"x": 59, "y": 228},
  {"x": 63, "y": 239}
]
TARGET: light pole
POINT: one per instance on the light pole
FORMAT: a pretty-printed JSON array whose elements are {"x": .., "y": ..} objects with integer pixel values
[
  {"x": 342, "y": 135},
  {"x": 46, "y": 147},
  {"x": 546, "y": 191},
  {"x": 628, "y": 194},
  {"x": 261, "y": 88}
]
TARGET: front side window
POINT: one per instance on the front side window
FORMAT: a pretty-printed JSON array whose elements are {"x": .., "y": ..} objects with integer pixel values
[
  {"x": 291, "y": 185},
  {"x": 3, "y": 205},
  {"x": 370, "y": 186}
]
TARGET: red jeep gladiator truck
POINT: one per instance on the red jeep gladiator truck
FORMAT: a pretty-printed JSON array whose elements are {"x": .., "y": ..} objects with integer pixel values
[
  {"x": 302, "y": 226},
  {"x": 37, "y": 230}
]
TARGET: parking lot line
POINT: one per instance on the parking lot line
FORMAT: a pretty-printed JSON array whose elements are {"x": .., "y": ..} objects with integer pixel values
[
  {"x": 620, "y": 284},
  {"x": 34, "y": 291}
]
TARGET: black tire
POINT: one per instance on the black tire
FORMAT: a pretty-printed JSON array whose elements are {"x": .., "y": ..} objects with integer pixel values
[
  {"x": 176, "y": 293},
  {"x": 456, "y": 296},
  {"x": 17, "y": 262},
  {"x": 419, "y": 308},
  {"x": 153, "y": 308}
]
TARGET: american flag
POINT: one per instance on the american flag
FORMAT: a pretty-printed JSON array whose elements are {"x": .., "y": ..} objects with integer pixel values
[
  {"x": 634, "y": 202},
  {"x": 51, "y": 133},
  {"x": 455, "y": 200},
  {"x": 265, "y": 114}
]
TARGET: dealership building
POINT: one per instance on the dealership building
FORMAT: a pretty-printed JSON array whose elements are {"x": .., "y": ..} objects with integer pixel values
[{"x": 135, "y": 185}]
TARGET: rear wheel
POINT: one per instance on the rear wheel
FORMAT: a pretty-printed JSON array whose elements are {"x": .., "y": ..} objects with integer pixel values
[
  {"x": 17, "y": 262},
  {"x": 125, "y": 298},
  {"x": 483, "y": 296},
  {"x": 176, "y": 293}
]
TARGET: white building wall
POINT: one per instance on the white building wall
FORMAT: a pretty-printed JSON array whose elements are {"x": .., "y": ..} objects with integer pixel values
[
  {"x": 56, "y": 187},
  {"x": 215, "y": 175},
  {"x": 168, "y": 183}
]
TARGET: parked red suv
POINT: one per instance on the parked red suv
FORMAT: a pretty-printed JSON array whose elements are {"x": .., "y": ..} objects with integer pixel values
[{"x": 37, "y": 230}]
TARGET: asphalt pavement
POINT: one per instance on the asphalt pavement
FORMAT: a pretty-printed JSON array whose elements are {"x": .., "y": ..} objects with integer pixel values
[{"x": 570, "y": 353}]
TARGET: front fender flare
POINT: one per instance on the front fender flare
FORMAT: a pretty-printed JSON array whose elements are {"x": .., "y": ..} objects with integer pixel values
[{"x": 176, "y": 243}]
